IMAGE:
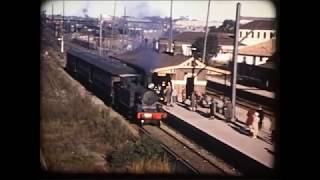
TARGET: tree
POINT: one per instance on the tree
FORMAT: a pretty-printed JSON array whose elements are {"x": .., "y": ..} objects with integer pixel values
[
  {"x": 211, "y": 49},
  {"x": 227, "y": 26}
]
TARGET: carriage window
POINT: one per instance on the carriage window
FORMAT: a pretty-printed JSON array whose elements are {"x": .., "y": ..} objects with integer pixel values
[{"x": 258, "y": 35}]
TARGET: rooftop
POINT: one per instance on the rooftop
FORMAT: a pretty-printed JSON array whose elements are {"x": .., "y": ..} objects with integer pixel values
[
  {"x": 266, "y": 48},
  {"x": 148, "y": 59},
  {"x": 260, "y": 25},
  {"x": 190, "y": 37},
  {"x": 110, "y": 65}
]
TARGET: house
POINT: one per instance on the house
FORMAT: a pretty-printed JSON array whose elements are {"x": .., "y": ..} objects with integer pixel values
[
  {"x": 257, "y": 65},
  {"x": 262, "y": 30},
  {"x": 257, "y": 54},
  {"x": 178, "y": 69}
]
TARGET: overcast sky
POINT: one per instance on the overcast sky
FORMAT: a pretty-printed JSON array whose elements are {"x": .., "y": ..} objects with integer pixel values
[{"x": 219, "y": 10}]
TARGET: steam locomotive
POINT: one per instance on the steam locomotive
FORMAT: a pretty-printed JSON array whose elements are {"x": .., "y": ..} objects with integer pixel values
[{"x": 116, "y": 84}]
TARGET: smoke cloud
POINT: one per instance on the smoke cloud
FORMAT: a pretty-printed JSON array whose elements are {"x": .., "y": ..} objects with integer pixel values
[{"x": 142, "y": 9}]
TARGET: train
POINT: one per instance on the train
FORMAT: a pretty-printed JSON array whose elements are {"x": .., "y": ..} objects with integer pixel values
[{"x": 117, "y": 84}]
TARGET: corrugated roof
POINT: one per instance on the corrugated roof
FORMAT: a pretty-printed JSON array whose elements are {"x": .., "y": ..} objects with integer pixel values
[
  {"x": 190, "y": 37},
  {"x": 267, "y": 48},
  {"x": 259, "y": 25},
  {"x": 110, "y": 65},
  {"x": 148, "y": 59}
]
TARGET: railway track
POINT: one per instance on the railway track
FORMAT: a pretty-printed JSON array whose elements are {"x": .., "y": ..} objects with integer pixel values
[
  {"x": 188, "y": 156},
  {"x": 183, "y": 165},
  {"x": 243, "y": 102}
]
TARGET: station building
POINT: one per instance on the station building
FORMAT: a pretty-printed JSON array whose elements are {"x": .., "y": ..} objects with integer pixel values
[{"x": 178, "y": 70}]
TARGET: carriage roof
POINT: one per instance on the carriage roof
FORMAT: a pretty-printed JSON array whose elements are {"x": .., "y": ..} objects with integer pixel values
[{"x": 107, "y": 64}]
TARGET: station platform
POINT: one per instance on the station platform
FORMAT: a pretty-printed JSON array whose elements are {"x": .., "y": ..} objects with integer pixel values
[
  {"x": 231, "y": 134},
  {"x": 253, "y": 90}
]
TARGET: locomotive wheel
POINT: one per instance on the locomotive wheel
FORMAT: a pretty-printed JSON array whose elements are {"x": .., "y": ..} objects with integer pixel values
[{"x": 158, "y": 123}]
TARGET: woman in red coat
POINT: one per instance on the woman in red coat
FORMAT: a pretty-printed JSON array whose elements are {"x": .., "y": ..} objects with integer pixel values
[{"x": 250, "y": 117}]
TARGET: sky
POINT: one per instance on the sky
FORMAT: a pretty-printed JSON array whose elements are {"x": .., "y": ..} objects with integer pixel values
[{"x": 219, "y": 9}]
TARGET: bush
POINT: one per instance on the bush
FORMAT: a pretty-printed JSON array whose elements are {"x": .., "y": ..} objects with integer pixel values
[
  {"x": 73, "y": 130},
  {"x": 136, "y": 156}
]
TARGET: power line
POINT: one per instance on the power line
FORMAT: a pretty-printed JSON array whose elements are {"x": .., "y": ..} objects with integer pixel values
[
  {"x": 62, "y": 40},
  {"x": 170, "y": 35},
  {"x": 235, "y": 59},
  {"x": 206, "y": 35}
]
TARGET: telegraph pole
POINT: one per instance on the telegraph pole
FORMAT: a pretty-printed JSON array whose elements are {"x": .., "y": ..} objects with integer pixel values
[
  {"x": 52, "y": 12},
  {"x": 235, "y": 59},
  {"x": 123, "y": 27},
  {"x": 170, "y": 36},
  {"x": 62, "y": 40},
  {"x": 100, "y": 35},
  {"x": 114, "y": 17},
  {"x": 206, "y": 35},
  {"x": 52, "y": 20}
]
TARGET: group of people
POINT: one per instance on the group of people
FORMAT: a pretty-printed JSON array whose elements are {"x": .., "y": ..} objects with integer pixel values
[
  {"x": 170, "y": 95},
  {"x": 254, "y": 120},
  {"x": 255, "y": 123},
  {"x": 226, "y": 108}
]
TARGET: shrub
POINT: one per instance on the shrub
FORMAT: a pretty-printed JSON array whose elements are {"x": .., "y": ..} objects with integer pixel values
[{"x": 136, "y": 155}]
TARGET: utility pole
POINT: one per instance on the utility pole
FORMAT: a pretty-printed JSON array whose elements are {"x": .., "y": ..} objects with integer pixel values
[
  {"x": 170, "y": 36},
  {"x": 52, "y": 21},
  {"x": 235, "y": 59},
  {"x": 88, "y": 38},
  {"x": 206, "y": 35},
  {"x": 52, "y": 11},
  {"x": 100, "y": 35},
  {"x": 62, "y": 40},
  {"x": 113, "y": 19},
  {"x": 124, "y": 26}
]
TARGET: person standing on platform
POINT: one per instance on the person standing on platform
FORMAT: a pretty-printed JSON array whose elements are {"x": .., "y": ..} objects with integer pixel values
[
  {"x": 228, "y": 109},
  {"x": 261, "y": 117},
  {"x": 212, "y": 107},
  {"x": 174, "y": 96},
  {"x": 193, "y": 101},
  {"x": 255, "y": 125},
  {"x": 249, "y": 121},
  {"x": 184, "y": 96},
  {"x": 168, "y": 95}
]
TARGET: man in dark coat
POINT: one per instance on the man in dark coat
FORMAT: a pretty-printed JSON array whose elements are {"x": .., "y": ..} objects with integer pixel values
[
  {"x": 212, "y": 108},
  {"x": 228, "y": 111}
]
